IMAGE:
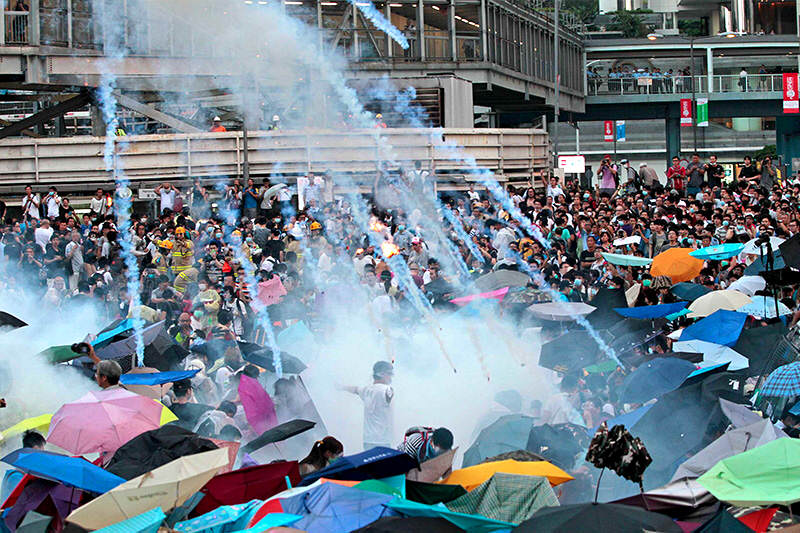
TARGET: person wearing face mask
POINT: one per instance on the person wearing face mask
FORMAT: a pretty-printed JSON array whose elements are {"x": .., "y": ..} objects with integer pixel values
[
  {"x": 210, "y": 300},
  {"x": 323, "y": 453},
  {"x": 425, "y": 443},
  {"x": 561, "y": 408},
  {"x": 182, "y": 251}
]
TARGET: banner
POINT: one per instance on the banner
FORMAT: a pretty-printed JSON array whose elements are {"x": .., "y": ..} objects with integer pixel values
[
  {"x": 620, "y": 131},
  {"x": 702, "y": 112},
  {"x": 608, "y": 128},
  {"x": 791, "y": 102},
  {"x": 686, "y": 112}
]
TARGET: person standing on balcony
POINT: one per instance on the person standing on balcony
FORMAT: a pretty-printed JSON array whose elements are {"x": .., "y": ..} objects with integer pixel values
[
  {"x": 743, "y": 80},
  {"x": 19, "y": 26},
  {"x": 762, "y": 77}
]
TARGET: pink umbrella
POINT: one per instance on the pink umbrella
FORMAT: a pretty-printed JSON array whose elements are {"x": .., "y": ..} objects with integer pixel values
[
  {"x": 258, "y": 406},
  {"x": 103, "y": 421}
]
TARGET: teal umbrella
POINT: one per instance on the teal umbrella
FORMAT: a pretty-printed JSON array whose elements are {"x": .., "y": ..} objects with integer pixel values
[
  {"x": 626, "y": 260},
  {"x": 718, "y": 252},
  {"x": 468, "y": 522}
]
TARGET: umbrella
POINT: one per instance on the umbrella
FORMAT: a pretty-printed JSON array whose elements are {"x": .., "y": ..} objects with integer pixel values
[
  {"x": 729, "y": 444},
  {"x": 7, "y": 320},
  {"x": 721, "y": 327},
  {"x": 723, "y": 522},
  {"x": 762, "y": 476},
  {"x": 263, "y": 357},
  {"x": 558, "y": 443},
  {"x": 605, "y": 301},
  {"x": 221, "y": 520},
  {"x": 167, "y": 486},
  {"x": 718, "y": 252},
  {"x": 147, "y": 522},
  {"x": 498, "y": 295},
  {"x": 414, "y": 524},
  {"x": 58, "y": 354},
  {"x": 278, "y": 433},
  {"x": 329, "y": 507},
  {"x": 761, "y": 264},
  {"x": 156, "y": 448},
  {"x": 764, "y": 307},
  {"x": 34, "y": 523},
  {"x": 471, "y": 477},
  {"x": 255, "y": 482},
  {"x": 507, "y": 497},
  {"x": 606, "y": 517},
  {"x": 507, "y": 433},
  {"x": 573, "y": 351},
  {"x": 115, "y": 329},
  {"x": 501, "y": 278},
  {"x": 161, "y": 351},
  {"x": 677, "y": 264},
  {"x": 34, "y": 494},
  {"x": 650, "y": 312},
  {"x": 753, "y": 247},
  {"x": 716, "y": 300},
  {"x": 748, "y": 285},
  {"x": 432, "y": 493},
  {"x": 689, "y": 291},
  {"x": 156, "y": 378},
  {"x": 713, "y": 354},
  {"x": 561, "y": 311},
  {"x": 783, "y": 382},
  {"x": 71, "y": 471},
  {"x": 467, "y": 522},
  {"x": 740, "y": 415},
  {"x": 760, "y": 345},
  {"x": 677, "y": 499},
  {"x": 655, "y": 378},
  {"x": 626, "y": 260},
  {"x": 39, "y": 423},
  {"x": 376, "y": 463},
  {"x": 433, "y": 469},
  {"x": 628, "y": 419},
  {"x": 272, "y": 191},
  {"x": 116, "y": 417}
]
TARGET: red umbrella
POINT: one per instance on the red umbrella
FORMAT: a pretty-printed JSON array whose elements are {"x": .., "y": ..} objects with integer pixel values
[{"x": 241, "y": 486}]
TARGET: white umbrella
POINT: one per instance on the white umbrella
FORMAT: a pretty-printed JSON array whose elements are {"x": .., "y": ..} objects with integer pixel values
[
  {"x": 272, "y": 191},
  {"x": 748, "y": 285},
  {"x": 562, "y": 311},
  {"x": 764, "y": 307},
  {"x": 753, "y": 248},
  {"x": 713, "y": 354},
  {"x": 716, "y": 300}
]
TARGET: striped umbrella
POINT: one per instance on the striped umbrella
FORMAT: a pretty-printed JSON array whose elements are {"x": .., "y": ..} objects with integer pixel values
[{"x": 783, "y": 382}]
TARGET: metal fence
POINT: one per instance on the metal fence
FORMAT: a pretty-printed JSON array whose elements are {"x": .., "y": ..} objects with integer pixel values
[
  {"x": 644, "y": 84},
  {"x": 16, "y": 27}
]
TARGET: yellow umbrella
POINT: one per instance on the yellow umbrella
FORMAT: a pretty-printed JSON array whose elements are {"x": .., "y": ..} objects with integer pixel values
[
  {"x": 167, "y": 416},
  {"x": 167, "y": 486},
  {"x": 677, "y": 264},
  {"x": 716, "y": 300},
  {"x": 40, "y": 423},
  {"x": 471, "y": 477}
]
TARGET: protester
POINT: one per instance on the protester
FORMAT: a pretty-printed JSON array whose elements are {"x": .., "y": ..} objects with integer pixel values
[
  {"x": 323, "y": 453},
  {"x": 378, "y": 411},
  {"x": 424, "y": 443}
]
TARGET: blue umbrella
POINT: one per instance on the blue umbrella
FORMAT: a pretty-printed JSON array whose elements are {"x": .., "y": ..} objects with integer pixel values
[
  {"x": 157, "y": 378},
  {"x": 654, "y": 378},
  {"x": 689, "y": 291},
  {"x": 718, "y": 252},
  {"x": 506, "y": 434},
  {"x": 628, "y": 419},
  {"x": 104, "y": 337},
  {"x": 147, "y": 522},
  {"x": 650, "y": 312},
  {"x": 376, "y": 463},
  {"x": 764, "y": 306},
  {"x": 334, "y": 508},
  {"x": 71, "y": 471},
  {"x": 720, "y": 327},
  {"x": 760, "y": 264}
]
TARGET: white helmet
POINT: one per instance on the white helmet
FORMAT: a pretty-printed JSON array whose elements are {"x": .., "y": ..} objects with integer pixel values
[{"x": 276, "y": 118}]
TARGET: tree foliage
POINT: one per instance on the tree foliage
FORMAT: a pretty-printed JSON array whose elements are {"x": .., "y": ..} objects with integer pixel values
[{"x": 630, "y": 23}]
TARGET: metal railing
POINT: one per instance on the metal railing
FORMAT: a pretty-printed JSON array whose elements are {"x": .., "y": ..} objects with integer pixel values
[
  {"x": 16, "y": 27},
  {"x": 720, "y": 83},
  {"x": 507, "y": 153}
]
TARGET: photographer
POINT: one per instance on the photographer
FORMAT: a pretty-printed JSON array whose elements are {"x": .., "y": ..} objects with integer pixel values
[{"x": 607, "y": 173}]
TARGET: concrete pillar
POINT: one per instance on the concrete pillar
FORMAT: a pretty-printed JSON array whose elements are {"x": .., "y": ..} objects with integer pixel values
[
  {"x": 672, "y": 126},
  {"x": 98, "y": 124},
  {"x": 710, "y": 68}
]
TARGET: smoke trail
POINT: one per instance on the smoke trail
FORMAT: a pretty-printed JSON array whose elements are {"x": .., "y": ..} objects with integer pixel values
[
  {"x": 229, "y": 217},
  {"x": 382, "y": 23},
  {"x": 122, "y": 209}
]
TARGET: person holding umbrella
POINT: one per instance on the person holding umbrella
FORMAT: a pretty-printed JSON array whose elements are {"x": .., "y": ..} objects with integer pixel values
[{"x": 30, "y": 439}]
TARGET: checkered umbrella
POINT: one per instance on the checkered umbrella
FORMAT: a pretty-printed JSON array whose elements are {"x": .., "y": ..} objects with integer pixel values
[{"x": 783, "y": 382}]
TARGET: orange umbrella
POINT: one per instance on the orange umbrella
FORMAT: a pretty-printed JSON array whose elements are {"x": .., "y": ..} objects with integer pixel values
[{"x": 677, "y": 264}]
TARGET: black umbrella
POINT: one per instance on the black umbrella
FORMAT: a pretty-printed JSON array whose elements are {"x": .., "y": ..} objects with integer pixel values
[
  {"x": 264, "y": 358},
  {"x": 573, "y": 351},
  {"x": 761, "y": 346},
  {"x": 506, "y": 434},
  {"x": 8, "y": 320},
  {"x": 278, "y": 433},
  {"x": 414, "y": 524},
  {"x": 600, "y": 517},
  {"x": 559, "y": 443},
  {"x": 760, "y": 264},
  {"x": 160, "y": 350},
  {"x": 689, "y": 291},
  {"x": 723, "y": 522},
  {"x": 155, "y": 448},
  {"x": 605, "y": 301}
]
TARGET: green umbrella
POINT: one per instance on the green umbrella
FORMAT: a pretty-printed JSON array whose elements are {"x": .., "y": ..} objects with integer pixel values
[
  {"x": 626, "y": 260},
  {"x": 59, "y": 354},
  {"x": 765, "y": 475}
]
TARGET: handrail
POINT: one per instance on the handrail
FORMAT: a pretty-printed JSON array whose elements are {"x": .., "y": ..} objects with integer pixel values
[{"x": 648, "y": 83}]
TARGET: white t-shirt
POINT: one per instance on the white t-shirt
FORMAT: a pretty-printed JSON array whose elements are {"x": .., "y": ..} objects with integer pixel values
[
  {"x": 52, "y": 201},
  {"x": 378, "y": 413},
  {"x": 33, "y": 209},
  {"x": 167, "y": 199},
  {"x": 97, "y": 205},
  {"x": 42, "y": 236}
]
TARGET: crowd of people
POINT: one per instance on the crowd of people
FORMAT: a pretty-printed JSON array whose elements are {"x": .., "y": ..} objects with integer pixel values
[{"x": 195, "y": 254}]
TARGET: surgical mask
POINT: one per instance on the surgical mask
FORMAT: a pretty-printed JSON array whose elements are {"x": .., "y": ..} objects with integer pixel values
[
  {"x": 725, "y": 223},
  {"x": 198, "y": 314},
  {"x": 218, "y": 235},
  {"x": 646, "y": 283},
  {"x": 577, "y": 282},
  {"x": 249, "y": 239},
  {"x": 202, "y": 286}
]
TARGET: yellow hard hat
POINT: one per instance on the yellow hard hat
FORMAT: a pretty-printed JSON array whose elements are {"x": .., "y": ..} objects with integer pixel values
[
  {"x": 315, "y": 225},
  {"x": 165, "y": 244}
]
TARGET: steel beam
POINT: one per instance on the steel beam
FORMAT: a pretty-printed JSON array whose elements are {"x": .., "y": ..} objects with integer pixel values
[
  {"x": 46, "y": 114},
  {"x": 155, "y": 114}
]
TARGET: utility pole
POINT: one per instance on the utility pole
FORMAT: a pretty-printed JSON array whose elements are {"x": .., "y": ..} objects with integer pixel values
[
  {"x": 556, "y": 77},
  {"x": 691, "y": 82}
]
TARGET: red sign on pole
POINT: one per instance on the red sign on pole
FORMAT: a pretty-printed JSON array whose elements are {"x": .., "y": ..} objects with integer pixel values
[
  {"x": 791, "y": 100},
  {"x": 609, "y": 131},
  {"x": 686, "y": 112}
]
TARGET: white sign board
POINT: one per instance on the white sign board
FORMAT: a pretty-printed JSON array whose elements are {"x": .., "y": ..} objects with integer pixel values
[
  {"x": 572, "y": 164},
  {"x": 147, "y": 194}
]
